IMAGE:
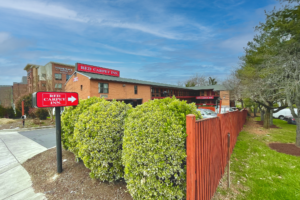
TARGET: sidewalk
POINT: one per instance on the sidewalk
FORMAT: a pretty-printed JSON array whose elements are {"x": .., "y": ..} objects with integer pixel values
[
  {"x": 26, "y": 129},
  {"x": 15, "y": 182}
]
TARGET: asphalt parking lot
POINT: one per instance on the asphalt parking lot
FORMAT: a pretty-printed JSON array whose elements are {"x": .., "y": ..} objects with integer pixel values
[{"x": 44, "y": 137}]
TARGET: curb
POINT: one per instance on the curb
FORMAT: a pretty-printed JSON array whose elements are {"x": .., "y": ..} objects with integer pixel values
[{"x": 26, "y": 129}]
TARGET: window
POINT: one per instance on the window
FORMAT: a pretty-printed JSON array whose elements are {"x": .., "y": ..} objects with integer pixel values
[
  {"x": 58, "y": 86},
  {"x": 135, "y": 89},
  {"x": 103, "y": 87},
  {"x": 68, "y": 77},
  {"x": 44, "y": 75},
  {"x": 201, "y": 93},
  {"x": 57, "y": 76},
  {"x": 157, "y": 90},
  {"x": 81, "y": 87},
  {"x": 43, "y": 84}
]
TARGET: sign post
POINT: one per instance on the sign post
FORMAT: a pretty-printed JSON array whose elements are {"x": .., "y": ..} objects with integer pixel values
[
  {"x": 58, "y": 139},
  {"x": 57, "y": 100}
]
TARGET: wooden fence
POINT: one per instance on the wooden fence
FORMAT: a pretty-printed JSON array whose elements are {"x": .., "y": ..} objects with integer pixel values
[{"x": 207, "y": 151}]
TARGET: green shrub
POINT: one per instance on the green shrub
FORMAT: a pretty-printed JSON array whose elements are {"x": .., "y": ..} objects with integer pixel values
[
  {"x": 154, "y": 150},
  {"x": 41, "y": 113},
  {"x": 1, "y": 111},
  {"x": 18, "y": 113},
  {"x": 99, "y": 136},
  {"x": 69, "y": 118},
  {"x": 32, "y": 113}
]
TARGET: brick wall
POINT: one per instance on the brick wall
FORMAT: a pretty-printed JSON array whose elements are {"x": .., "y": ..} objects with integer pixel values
[
  {"x": 19, "y": 90},
  {"x": 6, "y": 96},
  {"x": 72, "y": 86},
  {"x": 225, "y": 96},
  {"x": 89, "y": 88},
  {"x": 117, "y": 90},
  {"x": 64, "y": 71}
]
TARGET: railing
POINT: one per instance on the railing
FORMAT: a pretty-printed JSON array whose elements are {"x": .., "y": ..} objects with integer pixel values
[{"x": 207, "y": 151}]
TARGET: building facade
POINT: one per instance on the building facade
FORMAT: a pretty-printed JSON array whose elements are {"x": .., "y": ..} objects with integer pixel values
[
  {"x": 20, "y": 89},
  {"x": 50, "y": 77},
  {"x": 92, "y": 82},
  {"x": 6, "y": 96}
]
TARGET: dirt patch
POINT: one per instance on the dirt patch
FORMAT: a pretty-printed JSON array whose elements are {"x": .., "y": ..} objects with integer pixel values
[
  {"x": 4, "y": 121},
  {"x": 73, "y": 183},
  {"x": 290, "y": 149},
  {"x": 29, "y": 123},
  {"x": 261, "y": 123},
  {"x": 253, "y": 127}
]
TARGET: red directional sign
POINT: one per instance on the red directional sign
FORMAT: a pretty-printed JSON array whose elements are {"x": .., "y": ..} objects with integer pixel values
[{"x": 55, "y": 99}]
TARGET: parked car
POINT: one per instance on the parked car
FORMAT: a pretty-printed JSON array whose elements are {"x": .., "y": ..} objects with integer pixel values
[
  {"x": 206, "y": 113},
  {"x": 233, "y": 108},
  {"x": 291, "y": 120},
  {"x": 286, "y": 117},
  {"x": 226, "y": 109},
  {"x": 280, "y": 114}
]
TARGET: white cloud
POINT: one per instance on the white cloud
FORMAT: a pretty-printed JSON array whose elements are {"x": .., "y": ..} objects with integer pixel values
[
  {"x": 112, "y": 18},
  {"x": 77, "y": 59},
  {"x": 42, "y": 8},
  {"x": 139, "y": 53},
  {"x": 143, "y": 28},
  {"x": 237, "y": 43},
  {"x": 4, "y": 37},
  {"x": 9, "y": 43}
]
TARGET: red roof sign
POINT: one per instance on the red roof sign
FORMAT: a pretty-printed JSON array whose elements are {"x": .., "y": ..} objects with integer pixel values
[
  {"x": 54, "y": 99},
  {"x": 97, "y": 70}
]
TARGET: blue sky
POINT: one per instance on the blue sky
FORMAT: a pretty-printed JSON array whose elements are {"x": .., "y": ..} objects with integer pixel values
[{"x": 163, "y": 41}]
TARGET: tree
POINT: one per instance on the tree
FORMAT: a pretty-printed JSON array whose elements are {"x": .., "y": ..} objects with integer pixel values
[
  {"x": 283, "y": 29},
  {"x": 190, "y": 83},
  {"x": 49, "y": 88},
  {"x": 255, "y": 78},
  {"x": 27, "y": 103},
  {"x": 198, "y": 80},
  {"x": 233, "y": 84},
  {"x": 212, "y": 81},
  {"x": 279, "y": 65}
]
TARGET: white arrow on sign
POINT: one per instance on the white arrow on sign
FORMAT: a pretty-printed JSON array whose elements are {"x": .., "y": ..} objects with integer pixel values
[{"x": 72, "y": 99}]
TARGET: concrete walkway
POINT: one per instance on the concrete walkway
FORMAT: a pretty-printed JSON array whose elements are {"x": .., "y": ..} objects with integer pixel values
[{"x": 15, "y": 182}]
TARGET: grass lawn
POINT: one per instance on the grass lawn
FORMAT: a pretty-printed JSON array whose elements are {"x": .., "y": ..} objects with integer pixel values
[{"x": 259, "y": 172}]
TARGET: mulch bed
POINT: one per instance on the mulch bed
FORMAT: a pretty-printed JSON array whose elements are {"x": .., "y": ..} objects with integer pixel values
[
  {"x": 73, "y": 183},
  {"x": 290, "y": 149},
  {"x": 262, "y": 124}
]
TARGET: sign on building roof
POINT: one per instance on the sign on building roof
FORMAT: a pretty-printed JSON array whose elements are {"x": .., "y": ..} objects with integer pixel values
[{"x": 97, "y": 70}]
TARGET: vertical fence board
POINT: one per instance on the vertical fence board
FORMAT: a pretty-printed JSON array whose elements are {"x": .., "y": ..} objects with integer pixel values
[{"x": 190, "y": 160}]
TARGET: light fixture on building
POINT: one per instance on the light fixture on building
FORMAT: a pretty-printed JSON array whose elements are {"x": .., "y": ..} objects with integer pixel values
[{"x": 124, "y": 85}]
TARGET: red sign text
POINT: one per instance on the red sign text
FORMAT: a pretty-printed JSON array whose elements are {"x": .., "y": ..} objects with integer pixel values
[
  {"x": 97, "y": 70},
  {"x": 205, "y": 97}
]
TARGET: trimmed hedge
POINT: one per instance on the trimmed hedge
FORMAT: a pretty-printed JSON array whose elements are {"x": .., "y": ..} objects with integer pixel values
[
  {"x": 69, "y": 118},
  {"x": 99, "y": 136},
  {"x": 154, "y": 149},
  {"x": 42, "y": 113}
]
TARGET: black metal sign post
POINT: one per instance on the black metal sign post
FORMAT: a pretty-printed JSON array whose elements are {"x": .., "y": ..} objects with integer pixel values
[
  {"x": 57, "y": 100},
  {"x": 58, "y": 140}
]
